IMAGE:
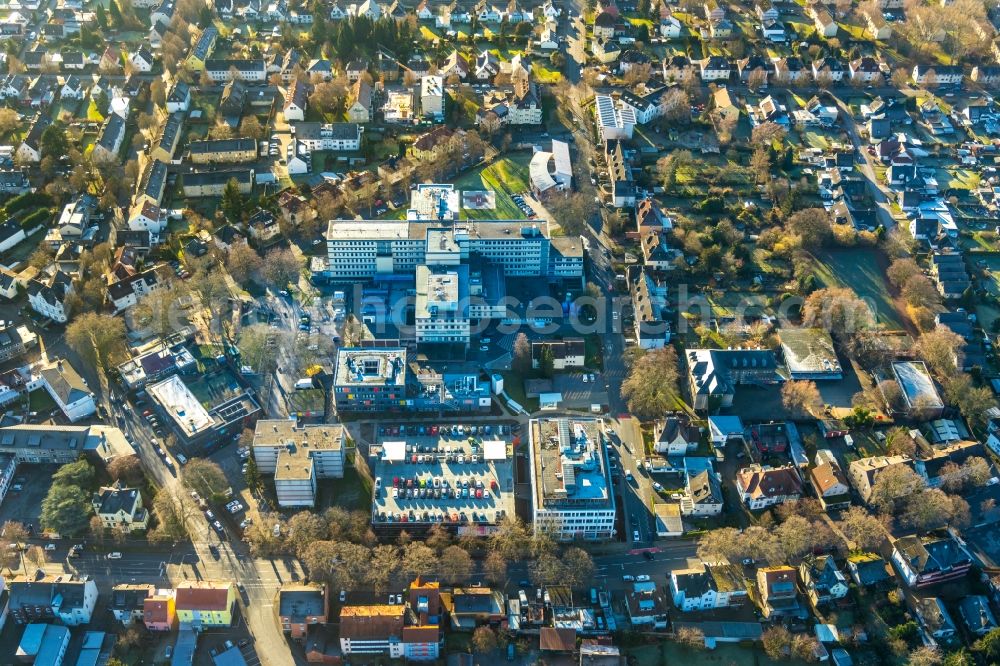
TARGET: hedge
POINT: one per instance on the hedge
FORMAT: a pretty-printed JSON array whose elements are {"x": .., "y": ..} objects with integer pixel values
[
  {"x": 40, "y": 216},
  {"x": 27, "y": 199}
]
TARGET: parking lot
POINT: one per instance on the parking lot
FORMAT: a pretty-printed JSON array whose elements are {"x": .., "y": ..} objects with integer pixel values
[
  {"x": 435, "y": 477},
  {"x": 25, "y": 505}
]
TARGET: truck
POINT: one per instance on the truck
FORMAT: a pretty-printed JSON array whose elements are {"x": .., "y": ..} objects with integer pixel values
[{"x": 304, "y": 383}]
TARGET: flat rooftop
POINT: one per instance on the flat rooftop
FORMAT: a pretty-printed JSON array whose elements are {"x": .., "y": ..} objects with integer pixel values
[
  {"x": 370, "y": 367},
  {"x": 809, "y": 350},
  {"x": 570, "y": 463},
  {"x": 372, "y": 230},
  {"x": 420, "y": 474},
  {"x": 178, "y": 401},
  {"x": 433, "y": 202},
  {"x": 287, "y": 432}
]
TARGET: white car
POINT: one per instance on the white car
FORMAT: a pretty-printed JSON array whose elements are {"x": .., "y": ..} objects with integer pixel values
[
  {"x": 657, "y": 487},
  {"x": 635, "y": 535},
  {"x": 676, "y": 496},
  {"x": 50, "y": 546},
  {"x": 642, "y": 578},
  {"x": 114, "y": 556},
  {"x": 343, "y": 596}
]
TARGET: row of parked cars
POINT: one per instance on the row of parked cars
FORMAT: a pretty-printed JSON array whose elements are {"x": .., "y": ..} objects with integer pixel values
[
  {"x": 452, "y": 431},
  {"x": 440, "y": 516}
]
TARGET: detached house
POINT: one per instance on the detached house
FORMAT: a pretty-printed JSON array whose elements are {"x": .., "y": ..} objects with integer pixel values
[
  {"x": 928, "y": 560},
  {"x": 934, "y": 618},
  {"x": 777, "y": 593},
  {"x": 825, "y": 25},
  {"x": 868, "y": 569},
  {"x": 823, "y": 581},
  {"x": 762, "y": 487},
  {"x": 360, "y": 108},
  {"x": 296, "y": 100},
  {"x": 47, "y": 296},
  {"x": 120, "y": 508},
  {"x": 30, "y": 149},
  {"x": 675, "y": 436},
  {"x": 864, "y": 471},
  {"x": 830, "y": 484},
  {"x": 142, "y": 59}
]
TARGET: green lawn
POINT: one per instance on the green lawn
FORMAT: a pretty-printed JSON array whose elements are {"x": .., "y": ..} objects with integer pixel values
[
  {"x": 40, "y": 401},
  {"x": 859, "y": 269},
  {"x": 506, "y": 176}
]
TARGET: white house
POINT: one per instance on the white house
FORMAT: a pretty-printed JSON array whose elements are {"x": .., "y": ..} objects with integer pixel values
[
  {"x": 715, "y": 586},
  {"x": 47, "y": 296},
  {"x": 67, "y": 388},
  {"x": 670, "y": 27},
  {"x": 715, "y": 68},
  {"x": 761, "y": 487}
]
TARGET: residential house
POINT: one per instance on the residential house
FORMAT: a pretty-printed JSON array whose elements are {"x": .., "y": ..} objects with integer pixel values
[
  {"x": 876, "y": 24},
  {"x": 205, "y": 603},
  {"x": 865, "y": 69},
  {"x": 159, "y": 611},
  {"x": 934, "y": 618},
  {"x": 675, "y": 436},
  {"x": 715, "y": 68},
  {"x": 702, "y": 491},
  {"x": 868, "y": 569},
  {"x": 128, "y": 601},
  {"x": 120, "y": 508},
  {"x": 823, "y": 581},
  {"x": 359, "y": 109},
  {"x": 864, "y": 472},
  {"x": 301, "y": 606},
  {"x": 829, "y": 68},
  {"x": 14, "y": 181},
  {"x": 223, "y": 71},
  {"x": 777, "y": 596},
  {"x": 565, "y": 354},
  {"x": 977, "y": 614},
  {"x": 48, "y": 294},
  {"x": 110, "y": 139},
  {"x": 202, "y": 49},
  {"x": 825, "y": 25},
  {"x": 294, "y": 208},
  {"x": 142, "y": 59},
  {"x": 986, "y": 75},
  {"x": 11, "y": 234},
  {"x": 486, "y": 66},
  {"x": 761, "y": 487},
  {"x": 790, "y": 69},
  {"x": 830, "y": 485},
  {"x": 263, "y": 227},
  {"x": 72, "y": 88},
  {"x": 774, "y": 30},
  {"x": 604, "y": 25},
  {"x": 329, "y": 136},
  {"x": 375, "y": 629},
  {"x": 646, "y": 608},
  {"x": 49, "y": 598},
  {"x": 938, "y": 75},
  {"x": 213, "y": 183},
  {"x": 454, "y": 65},
  {"x": 715, "y": 586},
  {"x": 67, "y": 388},
  {"x": 296, "y": 100},
  {"x": 677, "y": 69},
  {"x": 169, "y": 139},
  {"x": 922, "y": 561},
  {"x": 30, "y": 149},
  {"x": 222, "y": 151},
  {"x": 670, "y": 27}
]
